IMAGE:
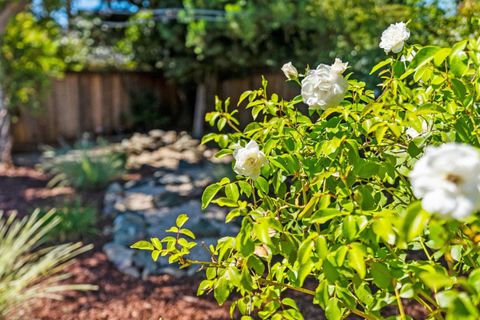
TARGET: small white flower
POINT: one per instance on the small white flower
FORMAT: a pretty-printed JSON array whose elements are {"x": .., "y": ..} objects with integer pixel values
[
  {"x": 325, "y": 86},
  {"x": 412, "y": 133},
  {"x": 249, "y": 160},
  {"x": 409, "y": 57},
  {"x": 394, "y": 37},
  {"x": 290, "y": 71},
  {"x": 447, "y": 179}
]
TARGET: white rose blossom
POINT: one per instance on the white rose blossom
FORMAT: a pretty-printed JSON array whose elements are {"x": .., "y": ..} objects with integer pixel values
[
  {"x": 249, "y": 160},
  {"x": 290, "y": 71},
  {"x": 325, "y": 86},
  {"x": 394, "y": 37},
  {"x": 447, "y": 179}
]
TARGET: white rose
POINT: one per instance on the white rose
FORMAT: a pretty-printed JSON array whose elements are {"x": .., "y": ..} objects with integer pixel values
[
  {"x": 447, "y": 179},
  {"x": 394, "y": 37},
  {"x": 325, "y": 86},
  {"x": 290, "y": 71},
  {"x": 249, "y": 160}
]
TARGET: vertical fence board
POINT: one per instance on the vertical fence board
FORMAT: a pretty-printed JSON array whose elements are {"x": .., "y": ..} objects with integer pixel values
[{"x": 100, "y": 102}]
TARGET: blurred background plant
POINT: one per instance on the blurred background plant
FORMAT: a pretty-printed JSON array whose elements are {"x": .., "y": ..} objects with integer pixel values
[
  {"x": 28, "y": 270},
  {"x": 148, "y": 111},
  {"x": 77, "y": 221},
  {"x": 86, "y": 166}
]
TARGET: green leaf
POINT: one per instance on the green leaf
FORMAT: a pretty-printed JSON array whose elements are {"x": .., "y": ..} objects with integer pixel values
[
  {"x": 245, "y": 187},
  {"x": 261, "y": 231},
  {"x": 324, "y": 215},
  {"x": 305, "y": 251},
  {"x": 380, "y": 65},
  {"x": 436, "y": 279},
  {"x": 331, "y": 273},
  {"x": 382, "y": 277},
  {"x": 181, "y": 219},
  {"x": 155, "y": 254},
  {"x": 231, "y": 191},
  {"x": 304, "y": 270},
  {"x": 415, "y": 221},
  {"x": 262, "y": 184},
  {"x": 204, "y": 286},
  {"x": 333, "y": 312},
  {"x": 441, "y": 55},
  {"x": 423, "y": 56},
  {"x": 187, "y": 232},
  {"x": 142, "y": 245},
  {"x": 307, "y": 211},
  {"x": 246, "y": 279},
  {"x": 221, "y": 291},
  {"x": 356, "y": 259},
  {"x": 350, "y": 228},
  {"x": 209, "y": 194},
  {"x": 458, "y": 88},
  {"x": 156, "y": 243}
]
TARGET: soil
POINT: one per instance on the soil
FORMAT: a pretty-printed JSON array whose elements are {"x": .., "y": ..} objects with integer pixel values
[{"x": 119, "y": 296}]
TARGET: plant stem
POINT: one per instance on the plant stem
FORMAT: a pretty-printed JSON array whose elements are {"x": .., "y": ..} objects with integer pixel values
[{"x": 400, "y": 305}]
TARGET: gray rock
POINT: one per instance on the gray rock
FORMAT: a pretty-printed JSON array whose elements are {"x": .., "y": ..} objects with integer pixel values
[
  {"x": 115, "y": 188},
  {"x": 168, "y": 199},
  {"x": 144, "y": 262},
  {"x": 174, "y": 178},
  {"x": 173, "y": 271},
  {"x": 120, "y": 256},
  {"x": 128, "y": 228},
  {"x": 131, "y": 271}
]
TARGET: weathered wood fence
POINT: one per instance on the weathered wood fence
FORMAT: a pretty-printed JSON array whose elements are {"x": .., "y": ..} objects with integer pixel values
[{"x": 100, "y": 102}]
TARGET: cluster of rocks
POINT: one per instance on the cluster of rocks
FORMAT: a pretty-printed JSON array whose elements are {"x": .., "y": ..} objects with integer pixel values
[
  {"x": 164, "y": 149},
  {"x": 146, "y": 208}
]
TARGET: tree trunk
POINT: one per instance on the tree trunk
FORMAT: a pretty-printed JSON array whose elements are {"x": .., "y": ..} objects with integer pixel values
[
  {"x": 199, "y": 113},
  {"x": 5, "y": 135},
  {"x": 8, "y": 11}
]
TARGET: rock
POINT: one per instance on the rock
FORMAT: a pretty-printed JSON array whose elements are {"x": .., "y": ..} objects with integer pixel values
[
  {"x": 169, "y": 137},
  {"x": 173, "y": 271},
  {"x": 174, "y": 178},
  {"x": 115, "y": 188},
  {"x": 144, "y": 262},
  {"x": 162, "y": 219},
  {"x": 158, "y": 134},
  {"x": 168, "y": 199},
  {"x": 202, "y": 227},
  {"x": 128, "y": 228},
  {"x": 146, "y": 208},
  {"x": 183, "y": 190},
  {"x": 135, "y": 201},
  {"x": 146, "y": 187},
  {"x": 120, "y": 256},
  {"x": 131, "y": 271}
]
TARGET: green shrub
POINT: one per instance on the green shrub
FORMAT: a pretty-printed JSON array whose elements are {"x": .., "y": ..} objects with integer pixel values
[
  {"x": 87, "y": 168},
  {"x": 29, "y": 271},
  {"x": 77, "y": 221},
  {"x": 374, "y": 199}
]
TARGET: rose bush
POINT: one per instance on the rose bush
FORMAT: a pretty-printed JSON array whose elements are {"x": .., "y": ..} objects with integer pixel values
[{"x": 345, "y": 199}]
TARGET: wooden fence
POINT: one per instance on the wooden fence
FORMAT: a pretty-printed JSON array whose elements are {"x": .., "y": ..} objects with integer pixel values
[{"x": 100, "y": 102}]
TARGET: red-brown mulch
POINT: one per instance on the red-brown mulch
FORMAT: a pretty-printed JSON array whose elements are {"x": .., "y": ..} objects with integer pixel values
[
  {"x": 123, "y": 297},
  {"x": 22, "y": 188}
]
